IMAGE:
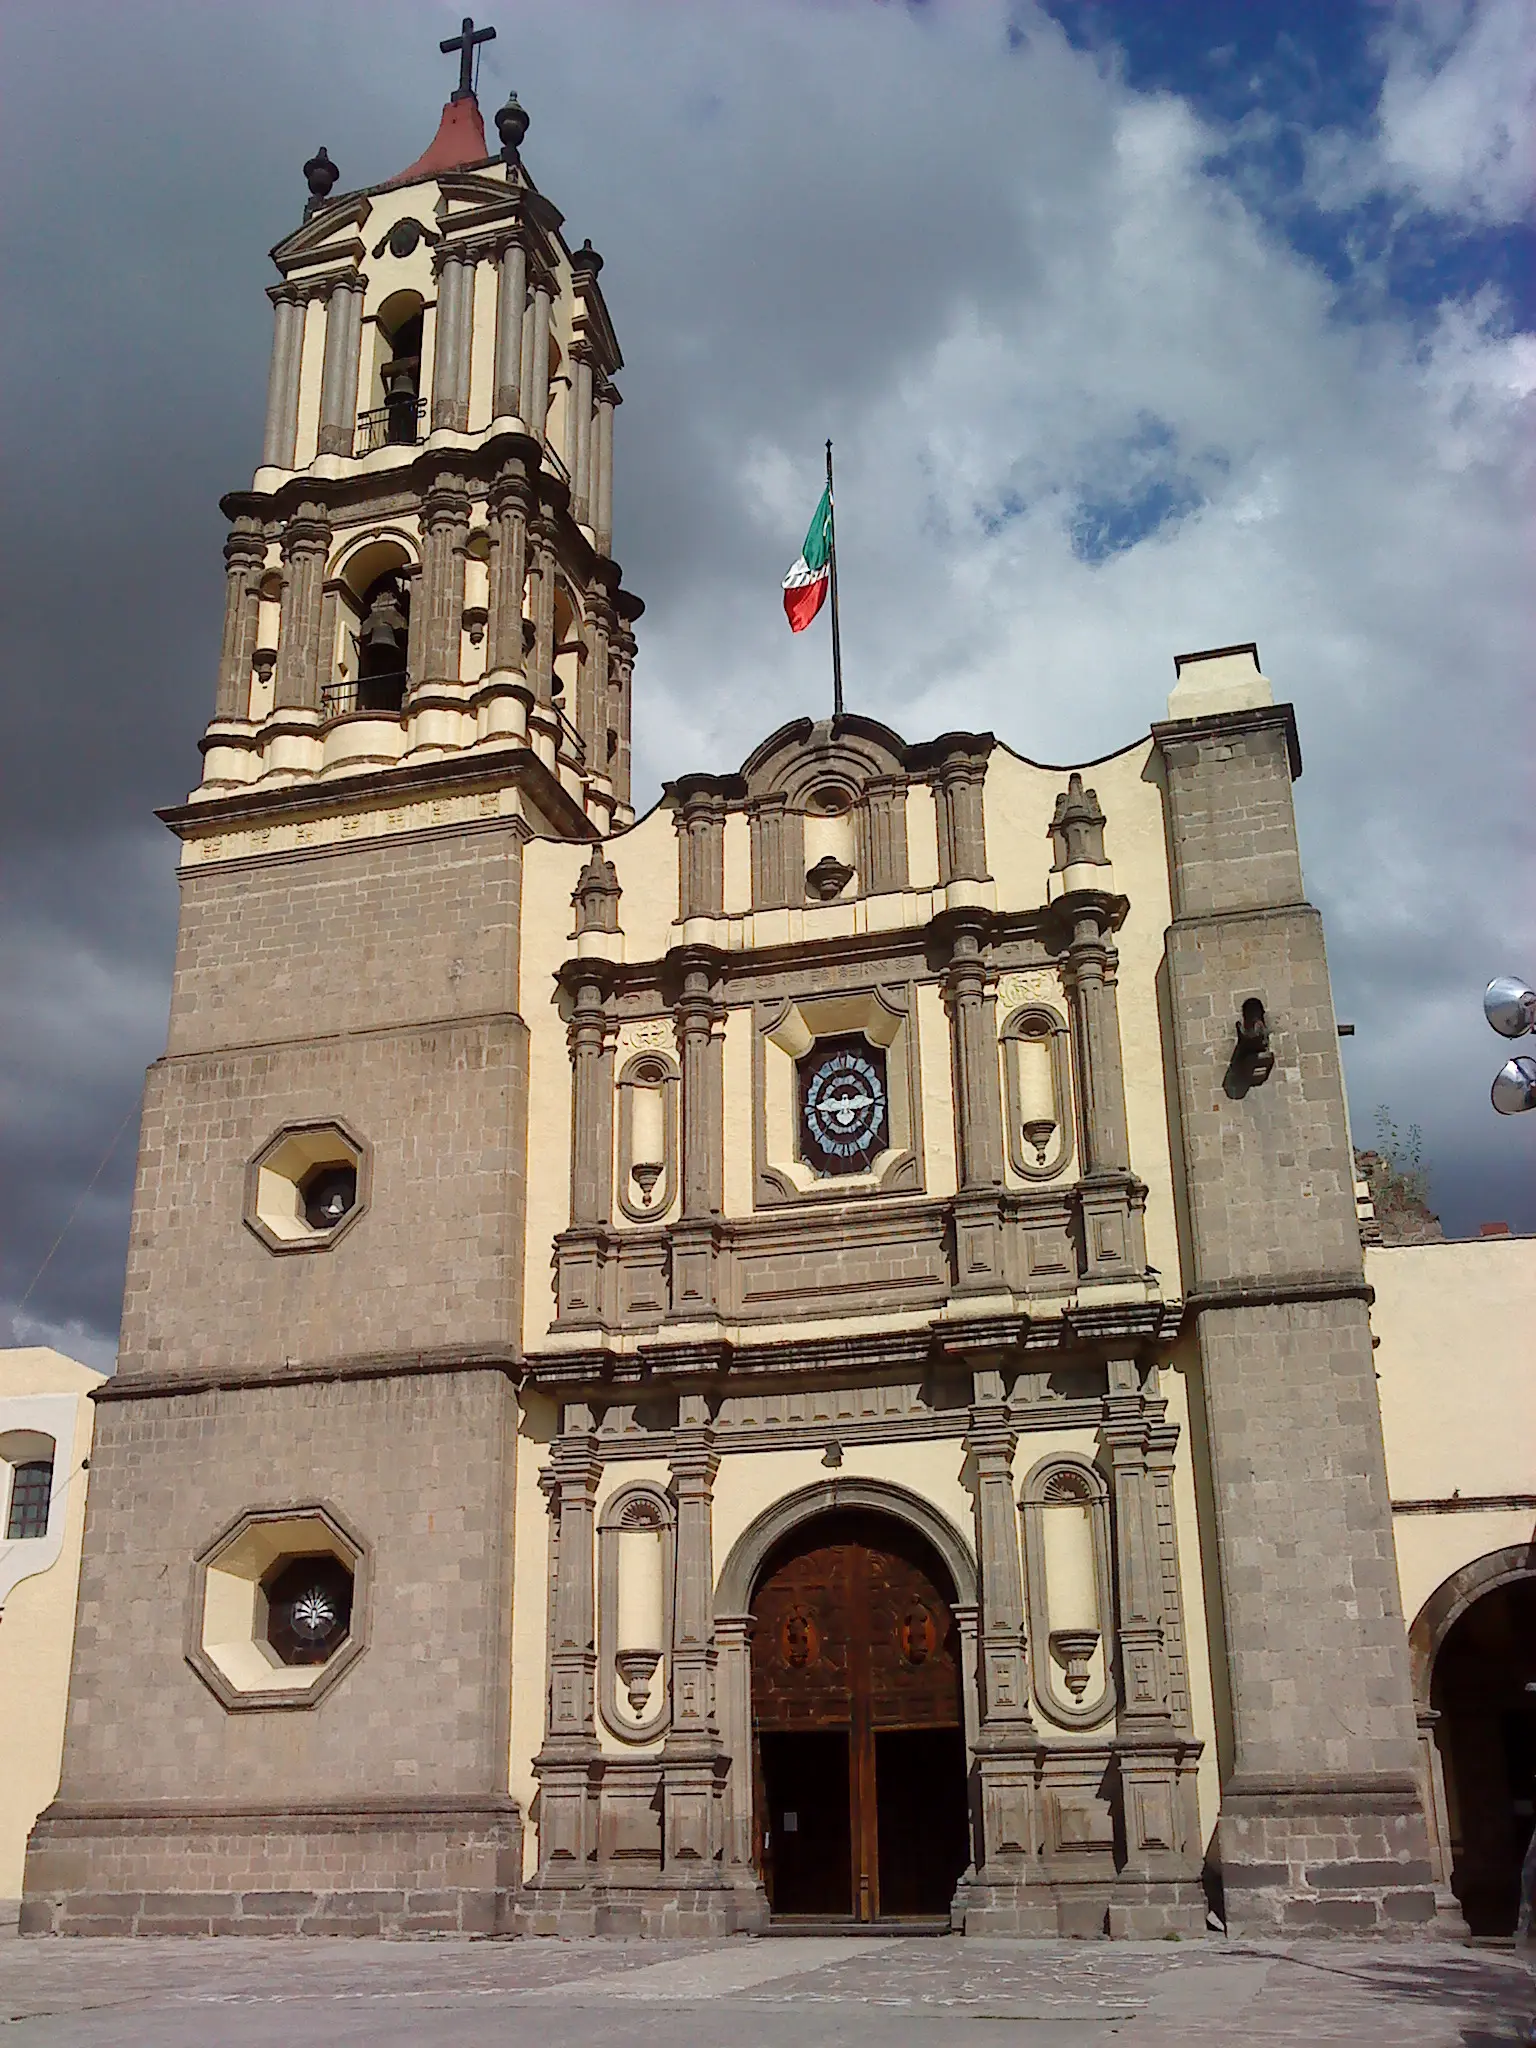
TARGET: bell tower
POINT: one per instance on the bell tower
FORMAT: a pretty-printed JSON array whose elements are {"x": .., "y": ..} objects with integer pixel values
[
  {"x": 422, "y": 571},
  {"x": 306, "y": 1465}
]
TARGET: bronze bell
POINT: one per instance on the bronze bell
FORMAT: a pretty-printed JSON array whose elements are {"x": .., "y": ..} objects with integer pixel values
[{"x": 384, "y": 628}]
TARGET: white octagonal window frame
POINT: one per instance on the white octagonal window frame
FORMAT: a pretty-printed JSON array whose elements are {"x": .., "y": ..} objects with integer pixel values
[
  {"x": 227, "y": 1642},
  {"x": 276, "y": 1178}
]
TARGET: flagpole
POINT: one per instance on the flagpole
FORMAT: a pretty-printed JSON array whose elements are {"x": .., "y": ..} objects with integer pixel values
[{"x": 837, "y": 637}]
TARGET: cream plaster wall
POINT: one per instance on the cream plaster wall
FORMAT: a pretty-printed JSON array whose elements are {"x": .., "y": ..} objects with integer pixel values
[
  {"x": 1020, "y": 797},
  {"x": 1458, "y": 1397},
  {"x": 550, "y": 869},
  {"x": 922, "y": 838},
  {"x": 482, "y": 348},
  {"x": 739, "y": 1028},
  {"x": 938, "y": 1093},
  {"x": 311, "y": 362},
  {"x": 37, "y": 1620}
]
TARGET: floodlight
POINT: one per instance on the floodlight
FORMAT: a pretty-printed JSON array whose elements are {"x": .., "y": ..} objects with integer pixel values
[
  {"x": 1514, "y": 1087},
  {"x": 1510, "y": 1006}
]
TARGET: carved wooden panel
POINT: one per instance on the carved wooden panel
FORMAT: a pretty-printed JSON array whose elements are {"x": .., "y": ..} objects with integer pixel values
[{"x": 853, "y": 1621}]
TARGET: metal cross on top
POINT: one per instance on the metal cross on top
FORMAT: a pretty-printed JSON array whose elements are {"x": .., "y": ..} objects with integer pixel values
[{"x": 464, "y": 42}]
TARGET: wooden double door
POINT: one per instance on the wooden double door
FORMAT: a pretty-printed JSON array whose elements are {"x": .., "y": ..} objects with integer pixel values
[{"x": 860, "y": 1800}]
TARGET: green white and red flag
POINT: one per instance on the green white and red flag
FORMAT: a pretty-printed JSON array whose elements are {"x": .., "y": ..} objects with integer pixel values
[{"x": 805, "y": 587}]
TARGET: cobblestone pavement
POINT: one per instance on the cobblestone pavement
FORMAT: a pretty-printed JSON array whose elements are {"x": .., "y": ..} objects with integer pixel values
[{"x": 806, "y": 1993}]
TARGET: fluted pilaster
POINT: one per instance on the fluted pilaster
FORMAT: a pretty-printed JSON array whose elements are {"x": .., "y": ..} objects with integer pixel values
[
  {"x": 445, "y": 526},
  {"x": 280, "y": 438},
  {"x": 511, "y": 297},
  {"x": 245, "y": 554},
  {"x": 511, "y": 501},
  {"x": 338, "y": 382},
  {"x": 306, "y": 543}
]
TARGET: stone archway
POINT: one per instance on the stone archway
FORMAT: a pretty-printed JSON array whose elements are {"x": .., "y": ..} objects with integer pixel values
[
  {"x": 849, "y": 1563},
  {"x": 1473, "y": 1652}
]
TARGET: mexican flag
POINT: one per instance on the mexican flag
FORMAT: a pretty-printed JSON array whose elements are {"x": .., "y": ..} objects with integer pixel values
[{"x": 805, "y": 587}]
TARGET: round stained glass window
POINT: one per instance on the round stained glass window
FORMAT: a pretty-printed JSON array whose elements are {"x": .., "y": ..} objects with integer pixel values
[{"x": 844, "y": 1111}]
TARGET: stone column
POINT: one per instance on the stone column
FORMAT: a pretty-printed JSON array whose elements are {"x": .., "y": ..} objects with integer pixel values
[
  {"x": 1155, "y": 1757},
  {"x": 511, "y": 294},
  {"x": 591, "y": 1099},
  {"x": 972, "y": 1008},
  {"x": 592, "y": 690},
  {"x": 602, "y": 488},
  {"x": 282, "y": 428},
  {"x": 455, "y": 267},
  {"x": 579, "y": 434},
  {"x": 700, "y": 821},
  {"x": 692, "y": 1766},
  {"x": 565, "y": 1764},
  {"x": 536, "y": 378},
  {"x": 699, "y": 1015},
  {"x": 445, "y": 527},
  {"x": 544, "y": 578},
  {"x": 245, "y": 555},
  {"x": 1008, "y": 1748},
  {"x": 511, "y": 501},
  {"x": 886, "y": 834},
  {"x": 621, "y": 667},
  {"x": 306, "y": 543},
  {"x": 1090, "y": 967},
  {"x": 957, "y": 788},
  {"x": 1124, "y": 1439},
  {"x": 338, "y": 382},
  {"x": 733, "y": 1692}
]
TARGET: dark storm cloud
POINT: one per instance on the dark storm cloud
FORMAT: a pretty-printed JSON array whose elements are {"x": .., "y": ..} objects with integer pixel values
[{"x": 978, "y": 257}]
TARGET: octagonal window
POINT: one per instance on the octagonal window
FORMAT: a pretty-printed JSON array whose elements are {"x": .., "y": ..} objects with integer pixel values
[
  {"x": 306, "y": 1186},
  {"x": 278, "y": 1607}
]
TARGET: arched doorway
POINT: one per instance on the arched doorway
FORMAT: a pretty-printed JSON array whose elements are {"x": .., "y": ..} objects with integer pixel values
[
  {"x": 858, "y": 1735},
  {"x": 1483, "y": 1688}
]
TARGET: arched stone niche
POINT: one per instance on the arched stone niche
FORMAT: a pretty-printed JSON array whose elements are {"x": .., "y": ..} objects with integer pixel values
[
  {"x": 1067, "y": 1558},
  {"x": 636, "y": 1566},
  {"x": 648, "y": 1088},
  {"x": 733, "y": 1619},
  {"x": 827, "y": 808},
  {"x": 1037, "y": 1086}
]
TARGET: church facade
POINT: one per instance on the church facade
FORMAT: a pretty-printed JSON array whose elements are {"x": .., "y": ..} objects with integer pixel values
[{"x": 801, "y": 1357}]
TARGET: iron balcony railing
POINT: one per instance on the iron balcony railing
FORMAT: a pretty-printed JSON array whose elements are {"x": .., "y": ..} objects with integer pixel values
[
  {"x": 396, "y": 425},
  {"x": 370, "y": 693}
]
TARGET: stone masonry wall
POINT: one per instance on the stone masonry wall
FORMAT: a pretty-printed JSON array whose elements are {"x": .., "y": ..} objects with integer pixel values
[
  {"x": 421, "y": 1470},
  {"x": 1319, "y": 1822}
]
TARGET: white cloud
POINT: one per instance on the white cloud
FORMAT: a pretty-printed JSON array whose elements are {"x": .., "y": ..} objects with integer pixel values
[{"x": 1456, "y": 116}]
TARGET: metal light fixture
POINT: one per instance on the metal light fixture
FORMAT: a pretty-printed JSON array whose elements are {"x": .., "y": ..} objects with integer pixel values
[
  {"x": 1514, "y": 1087},
  {"x": 1510, "y": 1008}
]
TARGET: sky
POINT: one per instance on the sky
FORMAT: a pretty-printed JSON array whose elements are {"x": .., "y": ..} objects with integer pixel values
[{"x": 1139, "y": 328}]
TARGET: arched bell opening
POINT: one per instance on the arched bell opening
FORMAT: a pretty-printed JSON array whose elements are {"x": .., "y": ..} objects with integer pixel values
[
  {"x": 394, "y": 415},
  {"x": 375, "y": 588},
  {"x": 1477, "y": 1636},
  {"x": 859, "y": 1753}
]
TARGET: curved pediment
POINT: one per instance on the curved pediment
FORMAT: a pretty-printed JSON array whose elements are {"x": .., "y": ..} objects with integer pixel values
[{"x": 837, "y": 753}]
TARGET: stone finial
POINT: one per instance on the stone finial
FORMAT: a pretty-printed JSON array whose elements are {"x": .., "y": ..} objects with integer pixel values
[
  {"x": 596, "y": 896},
  {"x": 321, "y": 174},
  {"x": 511, "y": 126},
  {"x": 1077, "y": 829},
  {"x": 585, "y": 261}
]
